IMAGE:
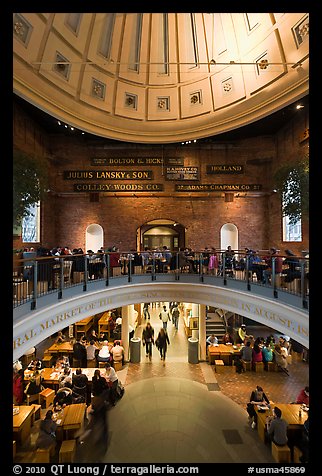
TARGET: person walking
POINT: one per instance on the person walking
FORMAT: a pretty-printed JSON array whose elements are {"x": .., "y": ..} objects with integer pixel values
[
  {"x": 146, "y": 312},
  {"x": 175, "y": 317},
  {"x": 148, "y": 339},
  {"x": 165, "y": 317},
  {"x": 257, "y": 397},
  {"x": 162, "y": 343}
]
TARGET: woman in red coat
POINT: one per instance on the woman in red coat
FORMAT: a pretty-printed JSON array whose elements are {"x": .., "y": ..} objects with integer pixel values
[{"x": 18, "y": 395}]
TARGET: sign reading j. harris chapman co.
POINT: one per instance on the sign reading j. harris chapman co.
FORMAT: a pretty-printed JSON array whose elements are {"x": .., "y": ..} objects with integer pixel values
[
  {"x": 216, "y": 187},
  {"x": 109, "y": 174},
  {"x": 225, "y": 169},
  {"x": 118, "y": 187},
  {"x": 136, "y": 161}
]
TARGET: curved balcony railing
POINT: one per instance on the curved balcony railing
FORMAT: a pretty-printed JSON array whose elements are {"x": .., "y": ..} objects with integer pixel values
[{"x": 36, "y": 277}]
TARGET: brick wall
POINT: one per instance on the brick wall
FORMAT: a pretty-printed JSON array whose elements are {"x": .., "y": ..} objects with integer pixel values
[{"x": 66, "y": 214}]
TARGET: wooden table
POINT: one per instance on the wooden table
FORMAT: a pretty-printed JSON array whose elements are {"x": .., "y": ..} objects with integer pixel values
[
  {"x": 81, "y": 327},
  {"x": 290, "y": 413},
  {"x": 71, "y": 419},
  {"x": 22, "y": 423},
  {"x": 63, "y": 348},
  {"x": 222, "y": 352}
]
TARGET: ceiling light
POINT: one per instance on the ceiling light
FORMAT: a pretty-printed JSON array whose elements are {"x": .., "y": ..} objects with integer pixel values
[
  {"x": 59, "y": 123},
  {"x": 66, "y": 126},
  {"x": 299, "y": 106},
  {"x": 71, "y": 128}
]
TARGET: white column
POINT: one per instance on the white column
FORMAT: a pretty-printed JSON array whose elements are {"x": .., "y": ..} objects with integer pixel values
[
  {"x": 125, "y": 331},
  {"x": 195, "y": 313},
  {"x": 202, "y": 332}
]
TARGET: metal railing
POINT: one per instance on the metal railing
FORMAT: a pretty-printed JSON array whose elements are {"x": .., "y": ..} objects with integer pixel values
[{"x": 33, "y": 278}]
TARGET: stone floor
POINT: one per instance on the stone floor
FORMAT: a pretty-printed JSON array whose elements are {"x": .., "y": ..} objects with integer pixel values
[{"x": 177, "y": 412}]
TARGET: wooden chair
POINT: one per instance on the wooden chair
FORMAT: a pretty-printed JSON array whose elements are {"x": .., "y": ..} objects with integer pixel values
[
  {"x": 47, "y": 396},
  {"x": 67, "y": 272},
  {"x": 117, "y": 366},
  {"x": 32, "y": 398},
  {"x": 297, "y": 453}
]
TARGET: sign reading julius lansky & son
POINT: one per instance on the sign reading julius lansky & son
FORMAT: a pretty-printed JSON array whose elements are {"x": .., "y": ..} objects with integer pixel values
[
  {"x": 108, "y": 175},
  {"x": 225, "y": 169},
  {"x": 217, "y": 187},
  {"x": 182, "y": 173},
  {"x": 118, "y": 187}
]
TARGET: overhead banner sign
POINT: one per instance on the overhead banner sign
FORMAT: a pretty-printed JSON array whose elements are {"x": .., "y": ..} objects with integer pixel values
[
  {"x": 225, "y": 169},
  {"x": 182, "y": 173},
  {"x": 213, "y": 187},
  {"x": 118, "y": 187},
  {"x": 136, "y": 161},
  {"x": 105, "y": 175}
]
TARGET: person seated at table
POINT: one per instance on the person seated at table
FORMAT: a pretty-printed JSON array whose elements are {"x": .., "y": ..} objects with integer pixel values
[
  {"x": 83, "y": 339},
  {"x": 47, "y": 433},
  {"x": 257, "y": 355},
  {"x": 80, "y": 381},
  {"x": 34, "y": 386},
  {"x": 35, "y": 364},
  {"x": 280, "y": 356},
  {"x": 60, "y": 338},
  {"x": 117, "y": 352},
  {"x": 104, "y": 353},
  {"x": 267, "y": 352},
  {"x": 63, "y": 397},
  {"x": 247, "y": 352},
  {"x": 100, "y": 387},
  {"x": 211, "y": 340},
  {"x": 112, "y": 380},
  {"x": 93, "y": 336},
  {"x": 304, "y": 396},
  {"x": 65, "y": 380},
  {"x": 278, "y": 265},
  {"x": 91, "y": 350},
  {"x": 294, "y": 269},
  {"x": 227, "y": 339},
  {"x": 277, "y": 428},
  {"x": 257, "y": 397}
]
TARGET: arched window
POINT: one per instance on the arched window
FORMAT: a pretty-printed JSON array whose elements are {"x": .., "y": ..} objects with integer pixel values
[
  {"x": 94, "y": 237},
  {"x": 291, "y": 197},
  {"x": 229, "y": 236},
  {"x": 30, "y": 226}
]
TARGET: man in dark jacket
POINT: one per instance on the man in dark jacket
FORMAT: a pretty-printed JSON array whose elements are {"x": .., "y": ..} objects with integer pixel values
[
  {"x": 80, "y": 383},
  {"x": 79, "y": 355}
]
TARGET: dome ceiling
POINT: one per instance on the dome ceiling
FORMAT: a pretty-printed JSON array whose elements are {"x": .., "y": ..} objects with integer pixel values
[{"x": 160, "y": 77}]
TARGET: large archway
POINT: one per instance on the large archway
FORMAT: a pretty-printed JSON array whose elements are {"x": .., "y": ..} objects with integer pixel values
[{"x": 159, "y": 232}]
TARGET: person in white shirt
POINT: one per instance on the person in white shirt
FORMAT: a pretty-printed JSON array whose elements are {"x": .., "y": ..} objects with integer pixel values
[
  {"x": 117, "y": 352},
  {"x": 165, "y": 317},
  {"x": 104, "y": 354},
  {"x": 212, "y": 340},
  {"x": 112, "y": 380}
]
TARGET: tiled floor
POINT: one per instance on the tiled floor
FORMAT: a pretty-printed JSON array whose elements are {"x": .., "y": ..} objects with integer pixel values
[{"x": 186, "y": 413}]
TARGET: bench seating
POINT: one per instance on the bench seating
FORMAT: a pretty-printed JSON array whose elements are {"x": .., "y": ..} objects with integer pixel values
[
  {"x": 219, "y": 366},
  {"x": 67, "y": 451},
  {"x": 281, "y": 454}
]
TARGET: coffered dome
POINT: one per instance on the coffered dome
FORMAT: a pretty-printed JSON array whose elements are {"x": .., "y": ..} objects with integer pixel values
[{"x": 160, "y": 77}]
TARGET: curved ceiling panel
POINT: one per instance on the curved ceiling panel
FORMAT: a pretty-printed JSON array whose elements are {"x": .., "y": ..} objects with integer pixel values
[{"x": 160, "y": 77}]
